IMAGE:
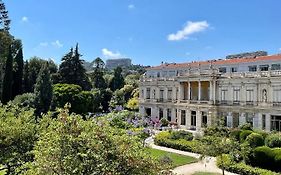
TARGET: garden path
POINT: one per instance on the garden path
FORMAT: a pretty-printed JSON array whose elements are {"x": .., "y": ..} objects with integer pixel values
[{"x": 206, "y": 165}]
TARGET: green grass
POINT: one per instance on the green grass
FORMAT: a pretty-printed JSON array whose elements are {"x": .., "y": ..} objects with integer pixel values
[
  {"x": 177, "y": 159},
  {"x": 205, "y": 173}
]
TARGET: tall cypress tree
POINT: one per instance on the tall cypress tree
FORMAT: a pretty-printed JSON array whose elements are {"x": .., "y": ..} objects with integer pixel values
[
  {"x": 18, "y": 74},
  {"x": 8, "y": 78},
  {"x": 118, "y": 80},
  {"x": 43, "y": 90},
  {"x": 97, "y": 74}
]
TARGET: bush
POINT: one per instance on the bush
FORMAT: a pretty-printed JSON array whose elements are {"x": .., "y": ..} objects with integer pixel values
[
  {"x": 262, "y": 157},
  {"x": 216, "y": 130},
  {"x": 246, "y": 126},
  {"x": 244, "y": 134},
  {"x": 255, "y": 140},
  {"x": 164, "y": 122},
  {"x": 241, "y": 168},
  {"x": 175, "y": 135},
  {"x": 273, "y": 140},
  {"x": 235, "y": 134},
  {"x": 25, "y": 100}
]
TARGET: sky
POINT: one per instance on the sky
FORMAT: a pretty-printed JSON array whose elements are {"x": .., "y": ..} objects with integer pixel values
[{"x": 147, "y": 31}]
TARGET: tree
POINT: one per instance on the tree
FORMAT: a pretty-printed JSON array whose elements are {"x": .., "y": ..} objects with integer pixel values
[
  {"x": 97, "y": 74},
  {"x": 4, "y": 17},
  {"x": 105, "y": 99},
  {"x": 18, "y": 135},
  {"x": 43, "y": 91},
  {"x": 118, "y": 80},
  {"x": 71, "y": 145},
  {"x": 18, "y": 74},
  {"x": 8, "y": 79},
  {"x": 71, "y": 70},
  {"x": 27, "y": 87}
]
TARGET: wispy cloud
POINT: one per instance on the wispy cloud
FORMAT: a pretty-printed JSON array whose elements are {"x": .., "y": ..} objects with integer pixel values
[
  {"x": 57, "y": 44},
  {"x": 131, "y": 7},
  {"x": 44, "y": 44},
  {"x": 24, "y": 19},
  {"x": 110, "y": 54},
  {"x": 188, "y": 29}
]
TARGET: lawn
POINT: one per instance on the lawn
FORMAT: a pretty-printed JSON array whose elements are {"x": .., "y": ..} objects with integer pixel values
[
  {"x": 205, "y": 173},
  {"x": 177, "y": 159}
]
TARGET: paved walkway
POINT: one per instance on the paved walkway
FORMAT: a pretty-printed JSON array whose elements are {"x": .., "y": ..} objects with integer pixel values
[{"x": 206, "y": 165}]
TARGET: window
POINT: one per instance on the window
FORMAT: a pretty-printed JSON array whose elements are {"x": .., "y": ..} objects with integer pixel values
[
  {"x": 249, "y": 96},
  {"x": 263, "y": 121},
  {"x": 253, "y": 68},
  {"x": 222, "y": 69},
  {"x": 142, "y": 92},
  {"x": 170, "y": 94},
  {"x": 264, "y": 67},
  {"x": 193, "y": 118},
  {"x": 182, "y": 117},
  {"x": 236, "y": 95},
  {"x": 169, "y": 114},
  {"x": 158, "y": 74},
  {"x": 160, "y": 113},
  {"x": 234, "y": 69},
  {"x": 276, "y": 122},
  {"x": 153, "y": 94},
  {"x": 223, "y": 95},
  {"x": 277, "y": 97},
  {"x": 147, "y": 93},
  {"x": 161, "y": 94},
  {"x": 275, "y": 67}
]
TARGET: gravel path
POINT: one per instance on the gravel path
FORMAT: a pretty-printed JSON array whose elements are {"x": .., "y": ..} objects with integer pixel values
[{"x": 206, "y": 165}]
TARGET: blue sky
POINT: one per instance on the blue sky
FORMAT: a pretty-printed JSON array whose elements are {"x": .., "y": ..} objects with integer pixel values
[{"x": 147, "y": 31}]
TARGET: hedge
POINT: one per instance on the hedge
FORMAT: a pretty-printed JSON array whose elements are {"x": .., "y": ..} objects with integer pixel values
[
  {"x": 244, "y": 134},
  {"x": 273, "y": 140},
  {"x": 255, "y": 140},
  {"x": 241, "y": 168}
]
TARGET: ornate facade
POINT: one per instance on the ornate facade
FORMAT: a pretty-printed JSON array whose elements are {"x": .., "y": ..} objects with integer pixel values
[{"x": 198, "y": 94}]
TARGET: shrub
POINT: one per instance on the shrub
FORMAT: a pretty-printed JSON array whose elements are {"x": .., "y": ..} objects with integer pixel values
[
  {"x": 273, "y": 140},
  {"x": 181, "y": 135},
  {"x": 25, "y": 100},
  {"x": 235, "y": 134},
  {"x": 262, "y": 157},
  {"x": 164, "y": 122},
  {"x": 216, "y": 130},
  {"x": 244, "y": 134},
  {"x": 246, "y": 126},
  {"x": 255, "y": 140}
]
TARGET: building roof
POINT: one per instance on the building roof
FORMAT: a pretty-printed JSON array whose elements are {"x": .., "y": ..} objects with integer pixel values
[{"x": 216, "y": 62}]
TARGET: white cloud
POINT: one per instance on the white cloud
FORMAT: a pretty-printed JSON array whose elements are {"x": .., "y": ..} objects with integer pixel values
[
  {"x": 189, "y": 29},
  {"x": 187, "y": 53},
  {"x": 131, "y": 6},
  {"x": 109, "y": 54},
  {"x": 24, "y": 19},
  {"x": 44, "y": 44},
  {"x": 57, "y": 44},
  {"x": 279, "y": 49}
]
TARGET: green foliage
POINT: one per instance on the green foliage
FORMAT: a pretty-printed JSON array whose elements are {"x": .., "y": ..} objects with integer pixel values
[
  {"x": 118, "y": 80},
  {"x": 118, "y": 99},
  {"x": 71, "y": 70},
  {"x": 97, "y": 78},
  {"x": 246, "y": 126},
  {"x": 244, "y": 134},
  {"x": 43, "y": 91},
  {"x": 17, "y": 136},
  {"x": 4, "y": 17},
  {"x": 8, "y": 79},
  {"x": 164, "y": 122},
  {"x": 106, "y": 95},
  {"x": 81, "y": 101},
  {"x": 273, "y": 140},
  {"x": 18, "y": 74},
  {"x": 255, "y": 140},
  {"x": 181, "y": 134},
  {"x": 25, "y": 100},
  {"x": 235, "y": 134},
  {"x": 70, "y": 145},
  {"x": 133, "y": 104},
  {"x": 216, "y": 131},
  {"x": 133, "y": 80},
  {"x": 241, "y": 168}
]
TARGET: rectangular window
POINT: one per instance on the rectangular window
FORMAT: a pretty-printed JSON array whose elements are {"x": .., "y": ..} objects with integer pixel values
[
  {"x": 170, "y": 91},
  {"x": 223, "y": 95},
  {"x": 275, "y": 67},
  {"x": 193, "y": 118},
  {"x": 183, "y": 117},
  {"x": 234, "y": 69},
  {"x": 222, "y": 69},
  {"x": 169, "y": 114},
  {"x": 253, "y": 68},
  {"x": 236, "y": 95},
  {"x": 249, "y": 96},
  {"x": 160, "y": 113},
  {"x": 277, "y": 97},
  {"x": 147, "y": 93},
  {"x": 263, "y": 121},
  {"x": 161, "y": 94},
  {"x": 264, "y": 67}
]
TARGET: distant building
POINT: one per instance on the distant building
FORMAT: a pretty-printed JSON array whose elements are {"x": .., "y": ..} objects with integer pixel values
[{"x": 121, "y": 62}]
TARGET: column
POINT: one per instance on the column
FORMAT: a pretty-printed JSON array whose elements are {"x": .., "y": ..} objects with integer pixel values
[
  {"x": 173, "y": 112},
  {"x": 181, "y": 92},
  {"x": 188, "y": 118},
  {"x": 210, "y": 91},
  {"x": 198, "y": 120},
  {"x": 165, "y": 94},
  {"x": 209, "y": 118},
  {"x": 188, "y": 91},
  {"x": 242, "y": 119},
  {"x": 179, "y": 116},
  {"x": 259, "y": 116},
  {"x": 255, "y": 121},
  {"x": 229, "y": 120},
  {"x": 144, "y": 93},
  {"x": 157, "y": 93},
  {"x": 154, "y": 112},
  {"x": 174, "y": 94},
  {"x": 214, "y": 92},
  {"x": 165, "y": 113},
  {"x": 199, "y": 90},
  {"x": 142, "y": 111},
  {"x": 268, "y": 122}
]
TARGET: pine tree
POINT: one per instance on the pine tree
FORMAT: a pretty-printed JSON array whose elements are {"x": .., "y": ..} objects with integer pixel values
[
  {"x": 118, "y": 80},
  {"x": 43, "y": 90},
  {"x": 18, "y": 74},
  {"x": 4, "y": 17},
  {"x": 72, "y": 71},
  {"x": 8, "y": 78},
  {"x": 97, "y": 74},
  {"x": 26, "y": 81}
]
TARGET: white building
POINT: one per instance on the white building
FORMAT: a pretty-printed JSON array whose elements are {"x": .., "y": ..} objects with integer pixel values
[{"x": 197, "y": 94}]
